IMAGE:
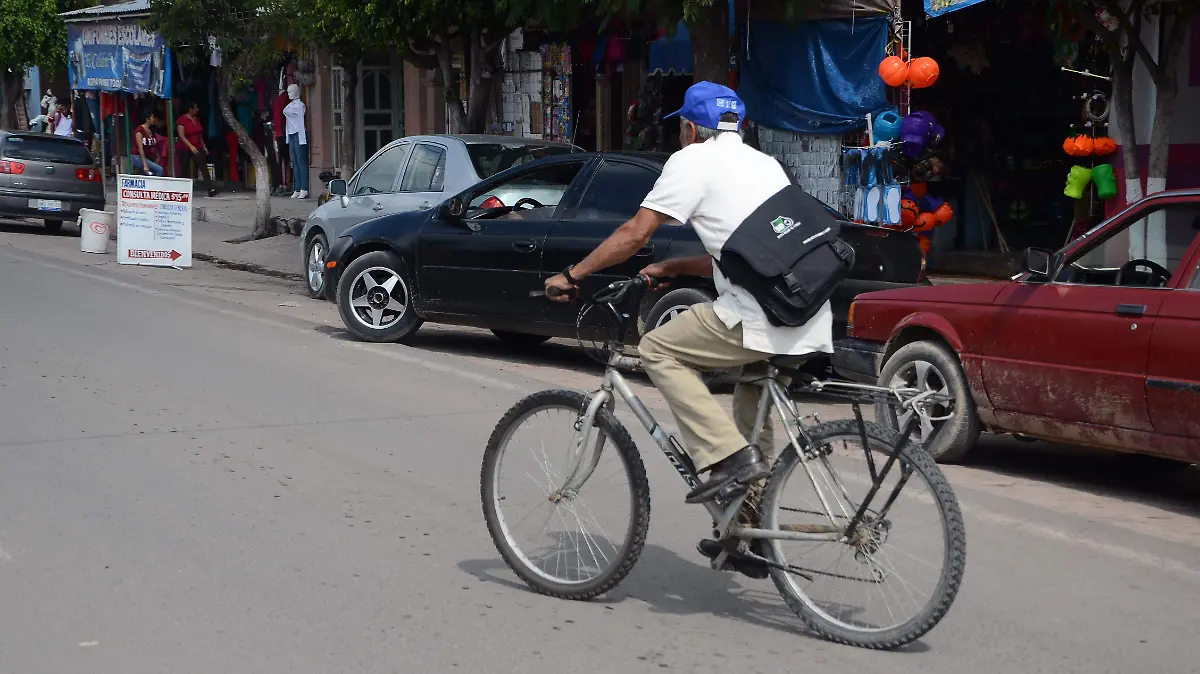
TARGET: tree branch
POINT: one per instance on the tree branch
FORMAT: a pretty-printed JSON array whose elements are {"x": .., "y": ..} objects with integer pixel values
[
  {"x": 1133, "y": 34},
  {"x": 1173, "y": 45}
]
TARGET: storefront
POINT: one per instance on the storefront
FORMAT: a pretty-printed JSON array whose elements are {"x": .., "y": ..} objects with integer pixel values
[{"x": 1017, "y": 87}]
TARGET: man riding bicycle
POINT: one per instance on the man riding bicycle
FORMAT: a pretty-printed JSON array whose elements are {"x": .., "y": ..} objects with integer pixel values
[{"x": 714, "y": 183}]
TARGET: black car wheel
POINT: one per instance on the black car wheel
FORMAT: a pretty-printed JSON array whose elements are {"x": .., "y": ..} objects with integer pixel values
[
  {"x": 314, "y": 265},
  {"x": 54, "y": 226},
  {"x": 519, "y": 339},
  {"x": 375, "y": 298}
]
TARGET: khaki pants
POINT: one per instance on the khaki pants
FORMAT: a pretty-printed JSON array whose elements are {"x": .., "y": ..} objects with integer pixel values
[{"x": 675, "y": 354}]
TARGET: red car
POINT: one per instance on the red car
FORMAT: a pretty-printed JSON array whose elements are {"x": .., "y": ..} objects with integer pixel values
[{"x": 1079, "y": 348}]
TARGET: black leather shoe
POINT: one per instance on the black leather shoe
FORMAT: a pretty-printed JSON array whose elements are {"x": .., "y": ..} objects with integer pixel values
[
  {"x": 743, "y": 565},
  {"x": 731, "y": 476}
]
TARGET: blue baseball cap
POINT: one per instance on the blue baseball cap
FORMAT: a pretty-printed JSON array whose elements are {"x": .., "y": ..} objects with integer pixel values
[{"x": 705, "y": 102}]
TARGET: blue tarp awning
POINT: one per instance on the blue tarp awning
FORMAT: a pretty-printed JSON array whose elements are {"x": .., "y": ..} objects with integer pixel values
[
  {"x": 818, "y": 77},
  {"x": 672, "y": 55}
]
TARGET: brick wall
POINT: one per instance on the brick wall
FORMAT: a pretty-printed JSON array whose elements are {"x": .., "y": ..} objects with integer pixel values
[{"x": 815, "y": 161}]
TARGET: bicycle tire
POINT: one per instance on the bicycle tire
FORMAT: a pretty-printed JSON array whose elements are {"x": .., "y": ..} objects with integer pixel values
[
  {"x": 631, "y": 547},
  {"x": 951, "y": 517}
]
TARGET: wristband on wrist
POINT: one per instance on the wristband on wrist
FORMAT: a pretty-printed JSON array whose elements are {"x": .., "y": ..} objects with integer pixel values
[{"x": 567, "y": 275}]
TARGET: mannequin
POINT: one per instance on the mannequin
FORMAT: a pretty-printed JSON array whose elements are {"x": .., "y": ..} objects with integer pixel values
[{"x": 297, "y": 140}]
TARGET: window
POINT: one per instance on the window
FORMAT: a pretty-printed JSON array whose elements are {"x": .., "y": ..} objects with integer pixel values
[
  {"x": 492, "y": 158},
  {"x": 426, "y": 170},
  {"x": 48, "y": 149},
  {"x": 379, "y": 176},
  {"x": 1108, "y": 260},
  {"x": 617, "y": 192},
  {"x": 543, "y": 186}
]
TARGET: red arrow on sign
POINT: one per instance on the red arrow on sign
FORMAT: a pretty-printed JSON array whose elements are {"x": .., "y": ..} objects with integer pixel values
[{"x": 175, "y": 255}]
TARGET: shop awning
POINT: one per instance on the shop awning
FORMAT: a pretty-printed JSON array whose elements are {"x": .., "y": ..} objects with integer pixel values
[{"x": 672, "y": 55}]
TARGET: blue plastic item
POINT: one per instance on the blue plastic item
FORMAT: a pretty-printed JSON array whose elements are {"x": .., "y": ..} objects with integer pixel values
[{"x": 887, "y": 126}]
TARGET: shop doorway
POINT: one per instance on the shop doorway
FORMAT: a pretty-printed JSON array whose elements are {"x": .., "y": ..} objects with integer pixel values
[{"x": 377, "y": 92}]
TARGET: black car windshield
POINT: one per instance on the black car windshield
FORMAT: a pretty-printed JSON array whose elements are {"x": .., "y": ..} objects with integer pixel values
[
  {"x": 48, "y": 149},
  {"x": 492, "y": 158}
]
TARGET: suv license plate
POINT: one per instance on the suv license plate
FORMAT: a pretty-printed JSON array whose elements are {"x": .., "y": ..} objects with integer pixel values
[{"x": 46, "y": 204}]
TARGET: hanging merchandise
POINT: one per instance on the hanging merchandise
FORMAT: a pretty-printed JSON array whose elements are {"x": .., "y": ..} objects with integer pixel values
[
  {"x": 943, "y": 213},
  {"x": 923, "y": 72},
  {"x": 1104, "y": 146},
  {"x": 1077, "y": 181},
  {"x": 893, "y": 71},
  {"x": 1079, "y": 146},
  {"x": 917, "y": 132},
  {"x": 909, "y": 212},
  {"x": 1106, "y": 181},
  {"x": 887, "y": 126}
]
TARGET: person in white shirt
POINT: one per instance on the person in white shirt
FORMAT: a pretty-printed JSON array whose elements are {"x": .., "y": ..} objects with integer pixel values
[
  {"x": 297, "y": 140},
  {"x": 714, "y": 183},
  {"x": 64, "y": 124}
]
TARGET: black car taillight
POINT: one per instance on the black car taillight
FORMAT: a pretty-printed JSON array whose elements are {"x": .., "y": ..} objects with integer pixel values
[
  {"x": 91, "y": 175},
  {"x": 15, "y": 168}
]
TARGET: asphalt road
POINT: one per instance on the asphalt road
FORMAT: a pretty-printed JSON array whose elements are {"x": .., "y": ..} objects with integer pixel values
[{"x": 199, "y": 472}]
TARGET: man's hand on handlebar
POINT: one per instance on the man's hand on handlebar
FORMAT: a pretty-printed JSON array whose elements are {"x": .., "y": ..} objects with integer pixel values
[{"x": 559, "y": 289}]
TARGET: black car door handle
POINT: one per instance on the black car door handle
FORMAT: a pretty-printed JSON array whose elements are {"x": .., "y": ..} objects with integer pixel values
[
  {"x": 525, "y": 246},
  {"x": 1131, "y": 309},
  {"x": 646, "y": 251}
]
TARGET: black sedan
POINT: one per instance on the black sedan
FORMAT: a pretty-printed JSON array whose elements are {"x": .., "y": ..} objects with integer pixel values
[{"x": 474, "y": 259}]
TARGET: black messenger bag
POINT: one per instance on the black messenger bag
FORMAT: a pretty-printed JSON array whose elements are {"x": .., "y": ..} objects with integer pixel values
[{"x": 787, "y": 255}]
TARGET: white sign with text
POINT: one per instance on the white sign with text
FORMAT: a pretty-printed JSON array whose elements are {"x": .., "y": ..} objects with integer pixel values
[{"x": 154, "y": 221}]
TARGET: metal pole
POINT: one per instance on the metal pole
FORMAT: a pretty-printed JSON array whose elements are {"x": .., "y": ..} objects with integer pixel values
[
  {"x": 171, "y": 134},
  {"x": 128, "y": 128},
  {"x": 103, "y": 159}
]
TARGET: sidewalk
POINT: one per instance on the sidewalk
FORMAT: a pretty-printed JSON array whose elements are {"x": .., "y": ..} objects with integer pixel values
[{"x": 229, "y": 216}]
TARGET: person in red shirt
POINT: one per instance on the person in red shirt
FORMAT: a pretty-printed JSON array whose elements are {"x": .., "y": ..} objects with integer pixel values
[{"x": 191, "y": 145}]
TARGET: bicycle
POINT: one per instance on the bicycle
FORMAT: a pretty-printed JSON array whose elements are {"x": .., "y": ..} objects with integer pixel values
[{"x": 594, "y": 562}]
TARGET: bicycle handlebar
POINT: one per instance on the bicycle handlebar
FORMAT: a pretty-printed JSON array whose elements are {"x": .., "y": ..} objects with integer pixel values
[{"x": 613, "y": 292}]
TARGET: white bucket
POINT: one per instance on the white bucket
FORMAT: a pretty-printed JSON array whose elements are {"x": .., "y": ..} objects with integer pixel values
[{"x": 94, "y": 228}]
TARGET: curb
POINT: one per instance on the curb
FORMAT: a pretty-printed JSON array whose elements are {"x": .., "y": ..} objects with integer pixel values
[{"x": 248, "y": 267}]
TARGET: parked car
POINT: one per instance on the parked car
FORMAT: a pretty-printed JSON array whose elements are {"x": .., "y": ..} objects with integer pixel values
[
  {"x": 1078, "y": 348},
  {"x": 47, "y": 177},
  {"x": 474, "y": 259},
  {"x": 409, "y": 174}
]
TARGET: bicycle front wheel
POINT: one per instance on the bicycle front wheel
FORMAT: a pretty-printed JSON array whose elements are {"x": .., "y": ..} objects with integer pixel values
[
  {"x": 897, "y": 573},
  {"x": 569, "y": 520}
]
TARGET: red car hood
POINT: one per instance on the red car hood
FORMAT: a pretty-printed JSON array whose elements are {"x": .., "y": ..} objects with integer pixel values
[{"x": 945, "y": 293}]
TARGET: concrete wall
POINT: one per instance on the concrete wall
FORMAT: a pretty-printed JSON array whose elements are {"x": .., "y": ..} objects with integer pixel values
[
  {"x": 319, "y": 100},
  {"x": 815, "y": 161}
]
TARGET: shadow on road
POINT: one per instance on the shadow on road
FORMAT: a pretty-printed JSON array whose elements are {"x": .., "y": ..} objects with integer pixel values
[
  {"x": 35, "y": 227},
  {"x": 672, "y": 585},
  {"x": 1172, "y": 487}
]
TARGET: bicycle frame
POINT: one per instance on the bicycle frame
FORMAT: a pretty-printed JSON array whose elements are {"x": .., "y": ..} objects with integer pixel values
[{"x": 588, "y": 448}]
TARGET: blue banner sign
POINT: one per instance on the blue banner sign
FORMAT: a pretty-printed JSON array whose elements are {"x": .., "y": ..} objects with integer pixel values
[
  {"x": 118, "y": 57},
  {"x": 940, "y": 7}
]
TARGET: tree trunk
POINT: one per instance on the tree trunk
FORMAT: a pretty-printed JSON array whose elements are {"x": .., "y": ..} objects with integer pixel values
[
  {"x": 262, "y": 175},
  {"x": 457, "y": 117},
  {"x": 11, "y": 85},
  {"x": 349, "y": 149},
  {"x": 1166, "y": 94},
  {"x": 483, "y": 72},
  {"x": 1123, "y": 108},
  {"x": 709, "y": 30}
]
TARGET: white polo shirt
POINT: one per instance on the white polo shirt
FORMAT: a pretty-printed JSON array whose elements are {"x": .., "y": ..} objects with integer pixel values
[{"x": 714, "y": 186}]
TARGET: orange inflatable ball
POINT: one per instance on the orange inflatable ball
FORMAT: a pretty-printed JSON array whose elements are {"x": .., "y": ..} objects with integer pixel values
[
  {"x": 926, "y": 222},
  {"x": 893, "y": 70},
  {"x": 1084, "y": 146},
  {"x": 919, "y": 190},
  {"x": 1104, "y": 146},
  {"x": 943, "y": 214},
  {"x": 909, "y": 210},
  {"x": 923, "y": 72}
]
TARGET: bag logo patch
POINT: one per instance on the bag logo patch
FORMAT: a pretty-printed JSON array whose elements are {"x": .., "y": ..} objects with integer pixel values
[{"x": 782, "y": 226}]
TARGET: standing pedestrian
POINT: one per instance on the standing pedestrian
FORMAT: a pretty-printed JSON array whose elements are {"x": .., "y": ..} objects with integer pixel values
[
  {"x": 191, "y": 144},
  {"x": 64, "y": 123}
]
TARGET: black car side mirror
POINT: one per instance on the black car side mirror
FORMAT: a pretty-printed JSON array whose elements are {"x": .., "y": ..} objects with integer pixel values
[
  {"x": 1036, "y": 262},
  {"x": 452, "y": 209}
]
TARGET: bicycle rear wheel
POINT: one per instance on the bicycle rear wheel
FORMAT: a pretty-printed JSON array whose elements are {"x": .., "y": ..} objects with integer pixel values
[
  {"x": 585, "y": 539},
  {"x": 899, "y": 572}
]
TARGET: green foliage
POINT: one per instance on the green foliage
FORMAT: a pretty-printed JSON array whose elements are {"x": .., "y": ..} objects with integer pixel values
[
  {"x": 241, "y": 29},
  {"x": 31, "y": 34}
]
